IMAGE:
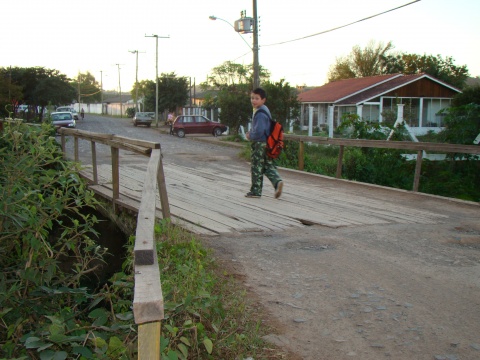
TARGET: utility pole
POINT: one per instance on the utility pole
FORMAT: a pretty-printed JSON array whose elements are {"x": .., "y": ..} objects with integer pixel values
[
  {"x": 256, "y": 64},
  {"x": 101, "y": 89},
  {"x": 120, "y": 90},
  {"x": 136, "y": 79},
  {"x": 156, "y": 73},
  {"x": 79, "y": 91}
]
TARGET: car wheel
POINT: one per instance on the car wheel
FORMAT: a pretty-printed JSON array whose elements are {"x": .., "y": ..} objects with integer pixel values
[
  {"x": 181, "y": 133},
  {"x": 148, "y": 125},
  {"x": 217, "y": 132},
  {"x": 134, "y": 123}
]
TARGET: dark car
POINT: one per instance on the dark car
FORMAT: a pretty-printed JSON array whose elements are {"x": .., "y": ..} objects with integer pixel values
[
  {"x": 63, "y": 119},
  {"x": 143, "y": 118},
  {"x": 197, "y": 124}
]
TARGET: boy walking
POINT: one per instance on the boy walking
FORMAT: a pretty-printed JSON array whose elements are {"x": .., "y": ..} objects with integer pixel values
[{"x": 261, "y": 164}]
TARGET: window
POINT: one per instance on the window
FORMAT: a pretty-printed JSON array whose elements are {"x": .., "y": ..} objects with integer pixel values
[
  {"x": 371, "y": 113},
  {"x": 431, "y": 108}
]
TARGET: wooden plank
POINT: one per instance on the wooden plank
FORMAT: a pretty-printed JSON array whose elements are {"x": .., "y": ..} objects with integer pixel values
[
  {"x": 161, "y": 184},
  {"x": 301, "y": 156},
  {"x": 145, "y": 249},
  {"x": 339, "y": 162},
  {"x": 115, "y": 173},
  {"x": 148, "y": 298},
  {"x": 418, "y": 170},
  {"x": 94, "y": 162}
]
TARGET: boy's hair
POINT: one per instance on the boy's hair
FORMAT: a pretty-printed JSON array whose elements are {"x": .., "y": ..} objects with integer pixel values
[{"x": 261, "y": 92}]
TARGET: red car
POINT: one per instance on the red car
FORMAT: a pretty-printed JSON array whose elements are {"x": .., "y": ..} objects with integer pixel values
[{"x": 197, "y": 124}]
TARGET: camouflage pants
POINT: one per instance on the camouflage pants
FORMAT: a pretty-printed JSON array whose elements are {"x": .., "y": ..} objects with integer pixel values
[{"x": 262, "y": 164}]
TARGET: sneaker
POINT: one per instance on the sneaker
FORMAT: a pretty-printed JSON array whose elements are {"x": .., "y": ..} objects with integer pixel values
[
  {"x": 278, "y": 189},
  {"x": 252, "y": 195}
]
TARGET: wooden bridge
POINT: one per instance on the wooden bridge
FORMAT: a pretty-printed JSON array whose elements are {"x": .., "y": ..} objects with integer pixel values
[{"x": 210, "y": 199}]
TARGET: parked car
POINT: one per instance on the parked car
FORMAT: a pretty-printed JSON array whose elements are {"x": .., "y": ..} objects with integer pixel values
[
  {"x": 22, "y": 108},
  {"x": 197, "y": 124},
  {"x": 143, "y": 118},
  {"x": 63, "y": 119},
  {"x": 69, "y": 109}
]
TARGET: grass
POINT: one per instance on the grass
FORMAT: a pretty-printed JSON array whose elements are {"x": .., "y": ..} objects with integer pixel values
[{"x": 208, "y": 314}]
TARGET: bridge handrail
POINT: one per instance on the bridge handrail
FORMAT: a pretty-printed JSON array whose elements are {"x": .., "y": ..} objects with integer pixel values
[
  {"x": 148, "y": 306},
  {"x": 420, "y": 147}
]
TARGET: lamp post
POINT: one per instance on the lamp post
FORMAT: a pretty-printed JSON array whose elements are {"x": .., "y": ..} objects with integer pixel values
[
  {"x": 136, "y": 79},
  {"x": 120, "y": 90},
  {"x": 244, "y": 26},
  {"x": 156, "y": 74}
]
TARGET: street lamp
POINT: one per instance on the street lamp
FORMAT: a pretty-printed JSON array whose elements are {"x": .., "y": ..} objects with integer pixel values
[
  {"x": 156, "y": 74},
  {"x": 244, "y": 26},
  {"x": 212, "y": 17},
  {"x": 136, "y": 79}
]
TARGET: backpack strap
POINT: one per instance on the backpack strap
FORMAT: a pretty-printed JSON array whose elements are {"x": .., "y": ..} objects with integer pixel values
[
  {"x": 269, "y": 118},
  {"x": 262, "y": 111}
]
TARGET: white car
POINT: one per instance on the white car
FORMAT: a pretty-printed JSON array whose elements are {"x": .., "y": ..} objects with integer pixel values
[
  {"x": 63, "y": 119},
  {"x": 69, "y": 109}
]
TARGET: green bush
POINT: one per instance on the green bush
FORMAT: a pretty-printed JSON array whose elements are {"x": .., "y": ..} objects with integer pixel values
[{"x": 48, "y": 248}]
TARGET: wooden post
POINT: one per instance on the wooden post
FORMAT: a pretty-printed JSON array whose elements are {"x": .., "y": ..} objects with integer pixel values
[
  {"x": 339, "y": 163},
  {"x": 94, "y": 162},
  {"x": 64, "y": 146},
  {"x": 75, "y": 141},
  {"x": 115, "y": 176},
  {"x": 300, "y": 156},
  {"x": 149, "y": 341},
  {"x": 418, "y": 169},
  {"x": 162, "y": 187}
]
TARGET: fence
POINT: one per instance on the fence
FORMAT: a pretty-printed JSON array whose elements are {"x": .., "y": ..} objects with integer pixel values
[
  {"x": 420, "y": 147},
  {"x": 148, "y": 298}
]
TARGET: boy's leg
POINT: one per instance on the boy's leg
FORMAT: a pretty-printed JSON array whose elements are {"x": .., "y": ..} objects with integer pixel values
[
  {"x": 257, "y": 167},
  {"x": 271, "y": 172}
]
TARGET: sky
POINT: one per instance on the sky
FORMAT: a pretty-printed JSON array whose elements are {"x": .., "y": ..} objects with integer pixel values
[{"x": 98, "y": 36}]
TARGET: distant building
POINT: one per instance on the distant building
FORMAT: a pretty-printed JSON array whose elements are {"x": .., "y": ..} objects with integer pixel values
[{"x": 376, "y": 99}]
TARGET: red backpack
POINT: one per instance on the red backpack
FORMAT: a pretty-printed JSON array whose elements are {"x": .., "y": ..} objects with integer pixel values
[{"x": 275, "y": 143}]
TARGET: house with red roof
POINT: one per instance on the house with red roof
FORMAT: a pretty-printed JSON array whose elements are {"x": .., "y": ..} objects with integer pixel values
[{"x": 378, "y": 99}]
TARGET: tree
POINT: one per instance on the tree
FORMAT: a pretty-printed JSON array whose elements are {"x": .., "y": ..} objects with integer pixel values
[
  {"x": 469, "y": 95},
  {"x": 230, "y": 73},
  {"x": 145, "y": 88},
  {"x": 360, "y": 62},
  {"x": 90, "y": 90},
  {"x": 40, "y": 87},
  {"x": 172, "y": 92},
  {"x": 234, "y": 101},
  {"x": 282, "y": 100},
  {"x": 231, "y": 84},
  {"x": 462, "y": 124},
  {"x": 436, "y": 66},
  {"x": 378, "y": 60},
  {"x": 10, "y": 93}
]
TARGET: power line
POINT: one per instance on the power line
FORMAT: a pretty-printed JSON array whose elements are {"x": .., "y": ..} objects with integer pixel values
[{"x": 339, "y": 27}]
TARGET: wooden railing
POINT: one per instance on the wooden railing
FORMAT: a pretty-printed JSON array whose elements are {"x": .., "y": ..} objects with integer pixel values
[
  {"x": 148, "y": 298},
  {"x": 420, "y": 147}
]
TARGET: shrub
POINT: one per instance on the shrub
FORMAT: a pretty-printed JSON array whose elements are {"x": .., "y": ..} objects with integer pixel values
[{"x": 48, "y": 248}]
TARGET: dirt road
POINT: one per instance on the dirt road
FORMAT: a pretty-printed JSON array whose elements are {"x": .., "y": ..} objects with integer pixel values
[{"x": 388, "y": 291}]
